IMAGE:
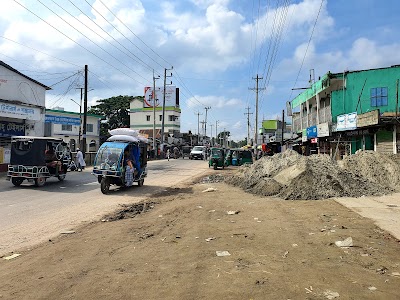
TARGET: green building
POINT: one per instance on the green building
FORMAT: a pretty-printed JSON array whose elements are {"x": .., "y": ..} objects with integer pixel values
[{"x": 344, "y": 112}]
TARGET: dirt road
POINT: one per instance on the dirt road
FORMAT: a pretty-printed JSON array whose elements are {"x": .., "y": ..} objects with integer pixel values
[{"x": 277, "y": 250}]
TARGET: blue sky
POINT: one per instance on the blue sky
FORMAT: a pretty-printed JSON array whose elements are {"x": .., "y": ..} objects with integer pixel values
[{"x": 216, "y": 48}]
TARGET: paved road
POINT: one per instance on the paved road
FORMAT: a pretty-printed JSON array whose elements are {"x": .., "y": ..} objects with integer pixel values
[{"x": 29, "y": 215}]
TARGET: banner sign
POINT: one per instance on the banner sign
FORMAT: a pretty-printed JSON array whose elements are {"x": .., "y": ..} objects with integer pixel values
[
  {"x": 170, "y": 96},
  {"x": 368, "y": 118},
  {"x": 11, "y": 128},
  {"x": 312, "y": 132},
  {"x": 346, "y": 122},
  {"x": 323, "y": 130},
  {"x": 62, "y": 120},
  {"x": 19, "y": 111},
  {"x": 304, "y": 135}
]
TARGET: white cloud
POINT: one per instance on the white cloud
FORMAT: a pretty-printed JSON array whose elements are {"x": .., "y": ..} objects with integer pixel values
[{"x": 213, "y": 101}]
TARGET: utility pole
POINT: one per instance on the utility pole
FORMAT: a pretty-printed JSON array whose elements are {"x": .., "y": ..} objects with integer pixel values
[
  {"x": 85, "y": 112},
  {"x": 163, "y": 106},
  {"x": 154, "y": 114},
  {"x": 248, "y": 124},
  {"x": 198, "y": 127},
  {"x": 216, "y": 131},
  {"x": 205, "y": 124},
  {"x": 202, "y": 127},
  {"x": 211, "y": 125},
  {"x": 256, "y": 89}
]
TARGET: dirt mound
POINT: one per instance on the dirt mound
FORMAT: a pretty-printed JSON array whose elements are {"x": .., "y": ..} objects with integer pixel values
[
  {"x": 378, "y": 167},
  {"x": 292, "y": 176}
]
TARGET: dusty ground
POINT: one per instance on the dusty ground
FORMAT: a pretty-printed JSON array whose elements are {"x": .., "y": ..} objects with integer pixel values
[{"x": 278, "y": 250}]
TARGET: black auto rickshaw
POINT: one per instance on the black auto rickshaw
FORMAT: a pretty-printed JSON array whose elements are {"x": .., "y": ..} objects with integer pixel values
[
  {"x": 36, "y": 159},
  {"x": 109, "y": 164},
  {"x": 216, "y": 159}
]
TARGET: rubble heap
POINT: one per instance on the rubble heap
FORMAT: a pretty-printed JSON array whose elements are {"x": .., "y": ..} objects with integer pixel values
[{"x": 292, "y": 176}]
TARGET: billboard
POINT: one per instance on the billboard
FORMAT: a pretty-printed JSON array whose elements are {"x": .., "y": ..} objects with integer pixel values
[
  {"x": 346, "y": 122},
  {"x": 170, "y": 96}
]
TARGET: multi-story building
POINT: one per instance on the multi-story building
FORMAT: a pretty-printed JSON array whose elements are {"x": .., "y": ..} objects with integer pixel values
[
  {"x": 344, "y": 112},
  {"x": 68, "y": 125},
  {"x": 143, "y": 115},
  {"x": 22, "y": 108}
]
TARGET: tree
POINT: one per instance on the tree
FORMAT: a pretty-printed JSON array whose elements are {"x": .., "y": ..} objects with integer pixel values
[
  {"x": 223, "y": 136},
  {"x": 115, "y": 110}
]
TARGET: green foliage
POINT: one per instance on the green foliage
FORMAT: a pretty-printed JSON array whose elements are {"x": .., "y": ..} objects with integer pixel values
[{"x": 115, "y": 110}]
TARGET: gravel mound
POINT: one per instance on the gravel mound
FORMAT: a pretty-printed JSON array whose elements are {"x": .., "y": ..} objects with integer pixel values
[{"x": 292, "y": 176}]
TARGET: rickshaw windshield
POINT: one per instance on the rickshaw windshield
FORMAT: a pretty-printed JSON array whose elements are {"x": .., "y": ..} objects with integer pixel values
[
  {"x": 108, "y": 158},
  {"x": 216, "y": 152}
]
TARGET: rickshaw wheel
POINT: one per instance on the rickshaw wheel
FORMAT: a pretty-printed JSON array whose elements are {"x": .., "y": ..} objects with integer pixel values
[
  {"x": 105, "y": 185},
  {"x": 141, "y": 182},
  {"x": 40, "y": 181},
  {"x": 17, "y": 181},
  {"x": 215, "y": 166},
  {"x": 61, "y": 177},
  {"x": 99, "y": 179}
]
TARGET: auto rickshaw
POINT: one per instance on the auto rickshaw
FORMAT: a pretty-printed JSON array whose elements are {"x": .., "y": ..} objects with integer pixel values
[
  {"x": 238, "y": 157},
  {"x": 36, "y": 159},
  {"x": 109, "y": 164},
  {"x": 216, "y": 159},
  {"x": 186, "y": 151}
]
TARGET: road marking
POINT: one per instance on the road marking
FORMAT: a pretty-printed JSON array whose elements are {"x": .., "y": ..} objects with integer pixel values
[{"x": 91, "y": 183}]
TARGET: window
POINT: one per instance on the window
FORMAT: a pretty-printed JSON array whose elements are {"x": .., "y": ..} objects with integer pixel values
[
  {"x": 148, "y": 118},
  {"x": 172, "y": 118},
  {"x": 89, "y": 127},
  {"x": 160, "y": 117},
  {"x": 379, "y": 96},
  {"x": 65, "y": 127}
]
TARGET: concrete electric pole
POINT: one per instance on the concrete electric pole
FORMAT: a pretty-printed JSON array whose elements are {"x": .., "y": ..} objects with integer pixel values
[
  {"x": 198, "y": 127},
  {"x": 256, "y": 125},
  {"x": 154, "y": 114},
  {"x": 163, "y": 106},
  {"x": 248, "y": 124},
  {"x": 205, "y": 124}
]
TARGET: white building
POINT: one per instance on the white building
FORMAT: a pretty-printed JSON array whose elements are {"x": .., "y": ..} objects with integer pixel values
[
  {"x": 142, "y": 114},
  {"x": 67, "y": 125},
  {"x": 22, "y": 108}
]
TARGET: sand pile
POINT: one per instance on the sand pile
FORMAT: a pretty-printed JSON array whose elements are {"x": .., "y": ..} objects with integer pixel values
[
  {"x": 378, "y": 167},
  {"x": 292, "y": 176}
]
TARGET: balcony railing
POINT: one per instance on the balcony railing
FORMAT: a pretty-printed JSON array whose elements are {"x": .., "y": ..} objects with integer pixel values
[{"x": 324, "y": 117}]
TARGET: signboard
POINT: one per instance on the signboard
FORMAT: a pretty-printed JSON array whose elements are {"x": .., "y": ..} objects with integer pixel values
[
  {"x": 346, "y": 122},
  {"x": 11, "y": 128},
  {"x": 368, "y": 118},
  {"x": 311, "y": 132},
  {"x": 304, "y": 135},
  {"x": 323, "y": 130},
  {"x": 62, "y": 120},
  {"x": 270, "y": 124},
  {"x": 19, "y": 111},
  {"x": 314, "y": 140},
  {"x": 170, "y": 96}
]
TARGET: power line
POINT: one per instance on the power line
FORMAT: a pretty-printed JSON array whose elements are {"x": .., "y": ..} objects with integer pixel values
[
  {"x": 305, "y": 53},
  {"x": 91, "y": 52}
]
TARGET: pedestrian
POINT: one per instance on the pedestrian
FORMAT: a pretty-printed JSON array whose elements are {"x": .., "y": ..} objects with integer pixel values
[
  {"x": 168, "y": 154},
  {"x": 80, "y": 161}
]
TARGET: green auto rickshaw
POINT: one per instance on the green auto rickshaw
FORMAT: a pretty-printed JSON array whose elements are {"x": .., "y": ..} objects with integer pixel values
[
  {"x": 238, "y": 157},
  {"x": 216, "y": 159}
]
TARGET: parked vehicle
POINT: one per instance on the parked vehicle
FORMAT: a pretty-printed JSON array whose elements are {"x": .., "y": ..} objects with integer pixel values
[
  {"x": 238, "y": 157},
  {"x": 216, "y": 159},
  {"x": 36, "y": 159},
  {"x": 198, "y": 152},
  {"x": 109, "y": 164},
  {"x": 186, "y": 151}
]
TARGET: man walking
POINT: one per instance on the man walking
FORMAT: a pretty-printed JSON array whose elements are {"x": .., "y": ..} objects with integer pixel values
[{"x": 80, "y": 161}]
